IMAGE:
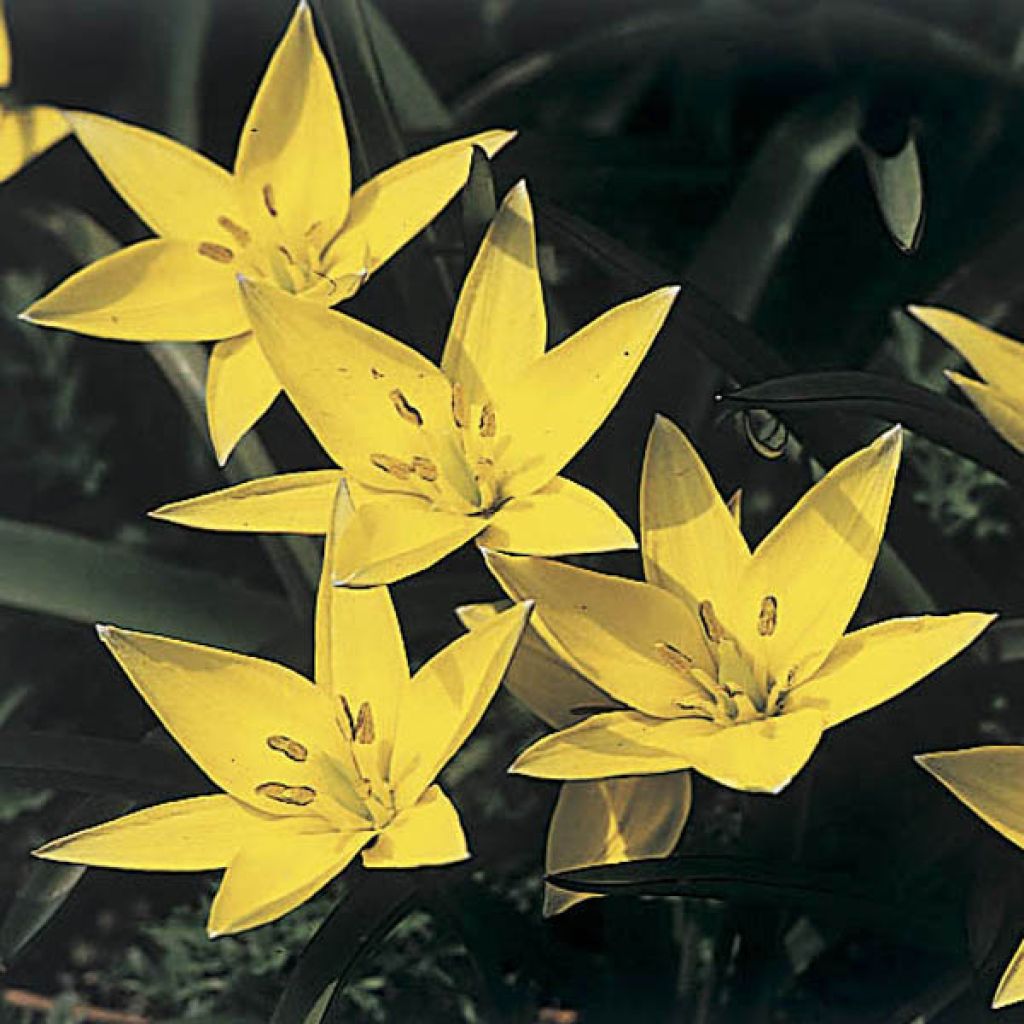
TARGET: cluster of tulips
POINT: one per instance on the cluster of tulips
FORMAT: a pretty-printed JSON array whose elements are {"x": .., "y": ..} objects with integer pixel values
[{"x": 727, "y": 661}]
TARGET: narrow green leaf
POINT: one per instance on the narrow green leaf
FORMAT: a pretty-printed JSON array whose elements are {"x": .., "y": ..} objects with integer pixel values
[
  {"x": 57, "y": 573},
  {"x": 479, "y": 203},
  {"x": 375, "y": 901},
  {"x": 899, "y": 191},
  {"x": 948, "y": 423}
]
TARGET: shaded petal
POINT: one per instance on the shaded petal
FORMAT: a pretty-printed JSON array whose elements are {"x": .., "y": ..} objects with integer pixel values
[
  {"x": 446, "y": 699},
  {"x": 499, "y": 326},
  {"x": 223, "y": 708},
  {"x": 26, "y": 133},
  {"x": 547, "y": 414},
  {"x": 294, "y": 137},
  {"x": 286, "y": 503},
  {"x": 1011, "y": 984},
  {"x": 613, "y": 744},
  {"x": 815, "y": 563},
  {"x": 360, "y": 654},
  {"x": 562, "y": 518},
  {"x": 996, "y": 358},
  {"x": 240, "y": 386},
  {"x": 152, "y": 291},
  {"x": 347, "y": 381},
  {"x": 870, "y": 666},
  {"x": 610, "y": 821},
  {"x": 429, "y": 832},
  {"x": 548, "y": 686},
  {"x": 5, "y": 51},
  {"x": 691, "y": 542},
  {"x": 1004, "y": 413},
  {"x": 397, "y": 204},
  {"x": 197, "y": 834},
  {"x": 265, "y": 880},
  {"x": 177, "y": 192},
  {"x": 609, "y": 629},
  {"x": 391, "y": 537},
  {"x": 989, "y": 780}
]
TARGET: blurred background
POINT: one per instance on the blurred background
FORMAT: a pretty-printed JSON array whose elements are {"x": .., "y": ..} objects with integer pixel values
[{"x": 810, "y": 168}]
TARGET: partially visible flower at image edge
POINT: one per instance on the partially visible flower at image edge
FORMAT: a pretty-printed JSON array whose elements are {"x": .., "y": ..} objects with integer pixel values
[{"x": 312, "y": 773}]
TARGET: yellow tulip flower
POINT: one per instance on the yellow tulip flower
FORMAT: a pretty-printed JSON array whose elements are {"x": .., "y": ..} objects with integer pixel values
[
  {"x": 729, "y": 661},
  {"x": 312, "y": 774},
  {"x": 286, "y": 215},
  {"x": 605, "y": 821},
  {"x": 989, "y": 781},
  {"x": 999, "y": 360},
  {"x": 25, "y": 132},
  {"x": 437, "y": 456}
]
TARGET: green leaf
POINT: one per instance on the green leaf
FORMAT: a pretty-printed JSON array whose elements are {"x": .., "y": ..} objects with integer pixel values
[
  {"x": 58, "y": 573},
  {"x": 899, "y": 191},
  {"x": 756, "y": 881},
  {"x": 479, "y": 204},
  {"x": 934, "y": 416},
  {"x": 374, "y": 903}
]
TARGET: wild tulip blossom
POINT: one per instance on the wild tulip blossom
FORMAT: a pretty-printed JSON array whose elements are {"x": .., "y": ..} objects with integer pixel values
[
  {"x": 25, "y": 132},
  {"x": 434, "y": 457},
  {"x": 998, "y": 360},
  {"x": 312, "y": 774},
  {"x": 286, "y": 215},
  {"x": 989, "y": 781},
  {"x": 606, "y": 821},
  {"x": 729, "y": 661}
]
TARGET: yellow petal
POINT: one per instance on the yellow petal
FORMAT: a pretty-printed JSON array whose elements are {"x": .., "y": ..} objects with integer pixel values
[
  {"x": 996, "y": 358},
  {"x": 447, "y": 697},
  {"x": 499, "y": 326},
  {"x": 614, "y": 744},
  {"x": 1011, "y": 986},
  {"x": 240, "y": 386},
  {"x": 870, "y": 666},
  {"x": 360, "y": 655},
  {"x": 177, "y": 192},
  {"x": 562, "y": 518},
  {"x": 26, "y": 133},
  {"x": 397, "y": 535},
  {"x": 548, "y": 686},
  {"x": 816, "y": 562},
  {"x": 427, "y": 833},
  {"x": 5, "y": 51},
  {"x": 610, "y": 821},
  {"x": 691, "y": 542},
  {"x": 286, "y": 503},
  {"x": 989, "y": 780},
  {"x": 353, "y": 385},
  {"x": 397, "y": 204},
  {"x": 151, "y": 291},
  {"x": 267, "y": 879},
  {"x": 196, "y": 834},
  {"x": 1004, "y": 413},
  {"x": 609, "y": 629},
  {"x": 550, "y": 410},
  {"x": 294, "y": 138},
  {"x": 225, "y": 709}
]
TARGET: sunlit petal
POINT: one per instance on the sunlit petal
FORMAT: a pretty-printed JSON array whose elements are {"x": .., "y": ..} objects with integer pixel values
[
  {"x": 26, "y": 133},
  {"x": 1004, "y": 412},
  {"x": 428, "y": 832},
  {"x": 1011, "y": 985}
]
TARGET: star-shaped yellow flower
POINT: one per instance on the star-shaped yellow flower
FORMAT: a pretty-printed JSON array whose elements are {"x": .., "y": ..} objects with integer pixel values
[
  {"x": 312, "y": 774},
  {"x": 729, "y": 661},
  {"x": 999, "y": 361},
  {"x": 606, "y": 821},
  {"x": 990, "y": 781},
  {"x": 285, "y": 215},
  {"x": 25, "y": 132},
  {"x": 434, "y": 457}
]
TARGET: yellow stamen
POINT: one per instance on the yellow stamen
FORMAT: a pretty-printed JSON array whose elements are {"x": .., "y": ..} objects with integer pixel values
[
  {"x": 313, "y": 228},
  {"x": 673, "y": 657},
  {"x": 488, "y": 421},
  {"x": 268, "y": 199},
  {"x": 290, "y": 748},
  {"x": 297, "y": 796},
  {"x": 287, "y": 255},
  {"x": 396, "y": 467},
  {"x": 364, "y": 731},
  {"x": 218, "y": 253},
  {"x": 709, "y": 620},
  {"x": 460, "y": 411},
  {"x": 236, "y": 231},
  {"x": 424, "y": 468},
  {"x": 347, "y": 711},
  {"x": 408, "y": 412},
  {"x": 768, "y": 618}
]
